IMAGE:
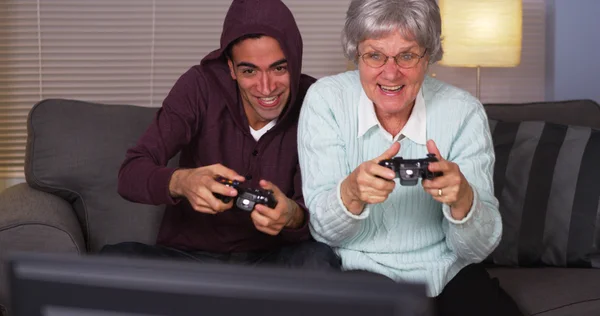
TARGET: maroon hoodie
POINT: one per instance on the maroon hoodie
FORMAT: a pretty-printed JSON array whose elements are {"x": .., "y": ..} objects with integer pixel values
[{"x": 203, "y": 118}]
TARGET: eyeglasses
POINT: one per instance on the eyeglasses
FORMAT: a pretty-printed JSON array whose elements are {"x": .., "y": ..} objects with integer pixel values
[{"x": 403, "y": 60}]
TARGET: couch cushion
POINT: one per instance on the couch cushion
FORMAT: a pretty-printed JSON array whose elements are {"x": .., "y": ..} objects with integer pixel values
[
  {"x": 552, "y": 291},
  {"x": 74, "y": 150},
  {"x": 546, "y": 180}
]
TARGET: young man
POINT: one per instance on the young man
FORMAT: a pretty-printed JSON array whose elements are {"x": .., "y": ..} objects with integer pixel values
[{"x": 235, "y": 115}]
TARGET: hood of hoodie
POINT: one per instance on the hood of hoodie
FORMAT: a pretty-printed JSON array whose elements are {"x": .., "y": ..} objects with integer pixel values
[{"x": 267, "y": 17}]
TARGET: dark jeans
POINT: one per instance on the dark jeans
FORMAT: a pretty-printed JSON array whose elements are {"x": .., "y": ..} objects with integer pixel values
[
  {"x": 472, "y": 292},
  {"x": 309, "y": 254}
]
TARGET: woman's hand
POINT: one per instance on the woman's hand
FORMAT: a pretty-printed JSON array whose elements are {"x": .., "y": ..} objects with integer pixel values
[
  {"x": 452, "y": 187},
  {"x": 369, "y": 183}
]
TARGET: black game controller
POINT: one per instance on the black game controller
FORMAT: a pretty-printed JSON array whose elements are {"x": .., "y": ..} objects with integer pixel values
[
  {"x": 409, "y": 170},
  {"x": 230, "y": 183},
  {"x": 247, "y": 198}
]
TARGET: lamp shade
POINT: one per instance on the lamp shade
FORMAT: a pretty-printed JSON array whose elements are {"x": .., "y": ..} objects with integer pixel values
[{"x": 485, "y": 33}]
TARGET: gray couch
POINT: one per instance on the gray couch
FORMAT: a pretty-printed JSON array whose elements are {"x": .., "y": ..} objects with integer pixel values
[{"x": 70, "y": 204}]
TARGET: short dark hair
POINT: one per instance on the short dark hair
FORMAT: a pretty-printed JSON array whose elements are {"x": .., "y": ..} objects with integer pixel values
[{"x": 228, "y": 50}]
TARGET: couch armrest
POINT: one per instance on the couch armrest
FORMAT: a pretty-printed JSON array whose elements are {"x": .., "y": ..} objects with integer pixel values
[
  {"x": 31, "y": 220},
  {"x": 37, "y": 221}
]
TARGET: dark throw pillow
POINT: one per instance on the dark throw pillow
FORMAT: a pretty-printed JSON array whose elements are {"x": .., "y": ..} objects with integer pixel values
[{"x": 547, "y": 180}]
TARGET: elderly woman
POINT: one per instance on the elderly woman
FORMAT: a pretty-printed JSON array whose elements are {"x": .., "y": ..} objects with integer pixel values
[{"x": 434, "y": 233}]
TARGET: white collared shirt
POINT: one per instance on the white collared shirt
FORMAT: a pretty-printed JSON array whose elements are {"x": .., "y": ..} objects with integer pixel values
[{"x": 415, "y": 128}]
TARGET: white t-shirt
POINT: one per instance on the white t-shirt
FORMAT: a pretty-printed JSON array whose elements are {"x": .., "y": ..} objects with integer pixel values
[{"x": 257, "y": 134}]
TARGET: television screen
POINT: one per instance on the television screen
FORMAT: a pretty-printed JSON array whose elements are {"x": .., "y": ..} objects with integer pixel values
[{"x": 65, "y": 285}]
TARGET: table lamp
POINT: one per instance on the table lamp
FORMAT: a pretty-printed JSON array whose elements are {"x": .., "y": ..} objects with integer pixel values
[{"x": 482, "y": 33}]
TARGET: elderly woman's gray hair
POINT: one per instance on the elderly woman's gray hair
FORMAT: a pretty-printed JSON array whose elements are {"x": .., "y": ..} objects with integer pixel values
[{"x": 417, "y": 20}]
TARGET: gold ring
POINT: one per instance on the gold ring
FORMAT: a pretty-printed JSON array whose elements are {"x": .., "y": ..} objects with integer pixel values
[{"x": 439, "y": 192}]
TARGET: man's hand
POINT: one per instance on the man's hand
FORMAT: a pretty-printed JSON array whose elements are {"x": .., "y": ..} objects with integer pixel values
[
  {"x": 454, "y": 188},
  {"x": 369, "y": 183},
  {"x": 198, "y": 186},
  {"x": 272, "y": 220}
]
